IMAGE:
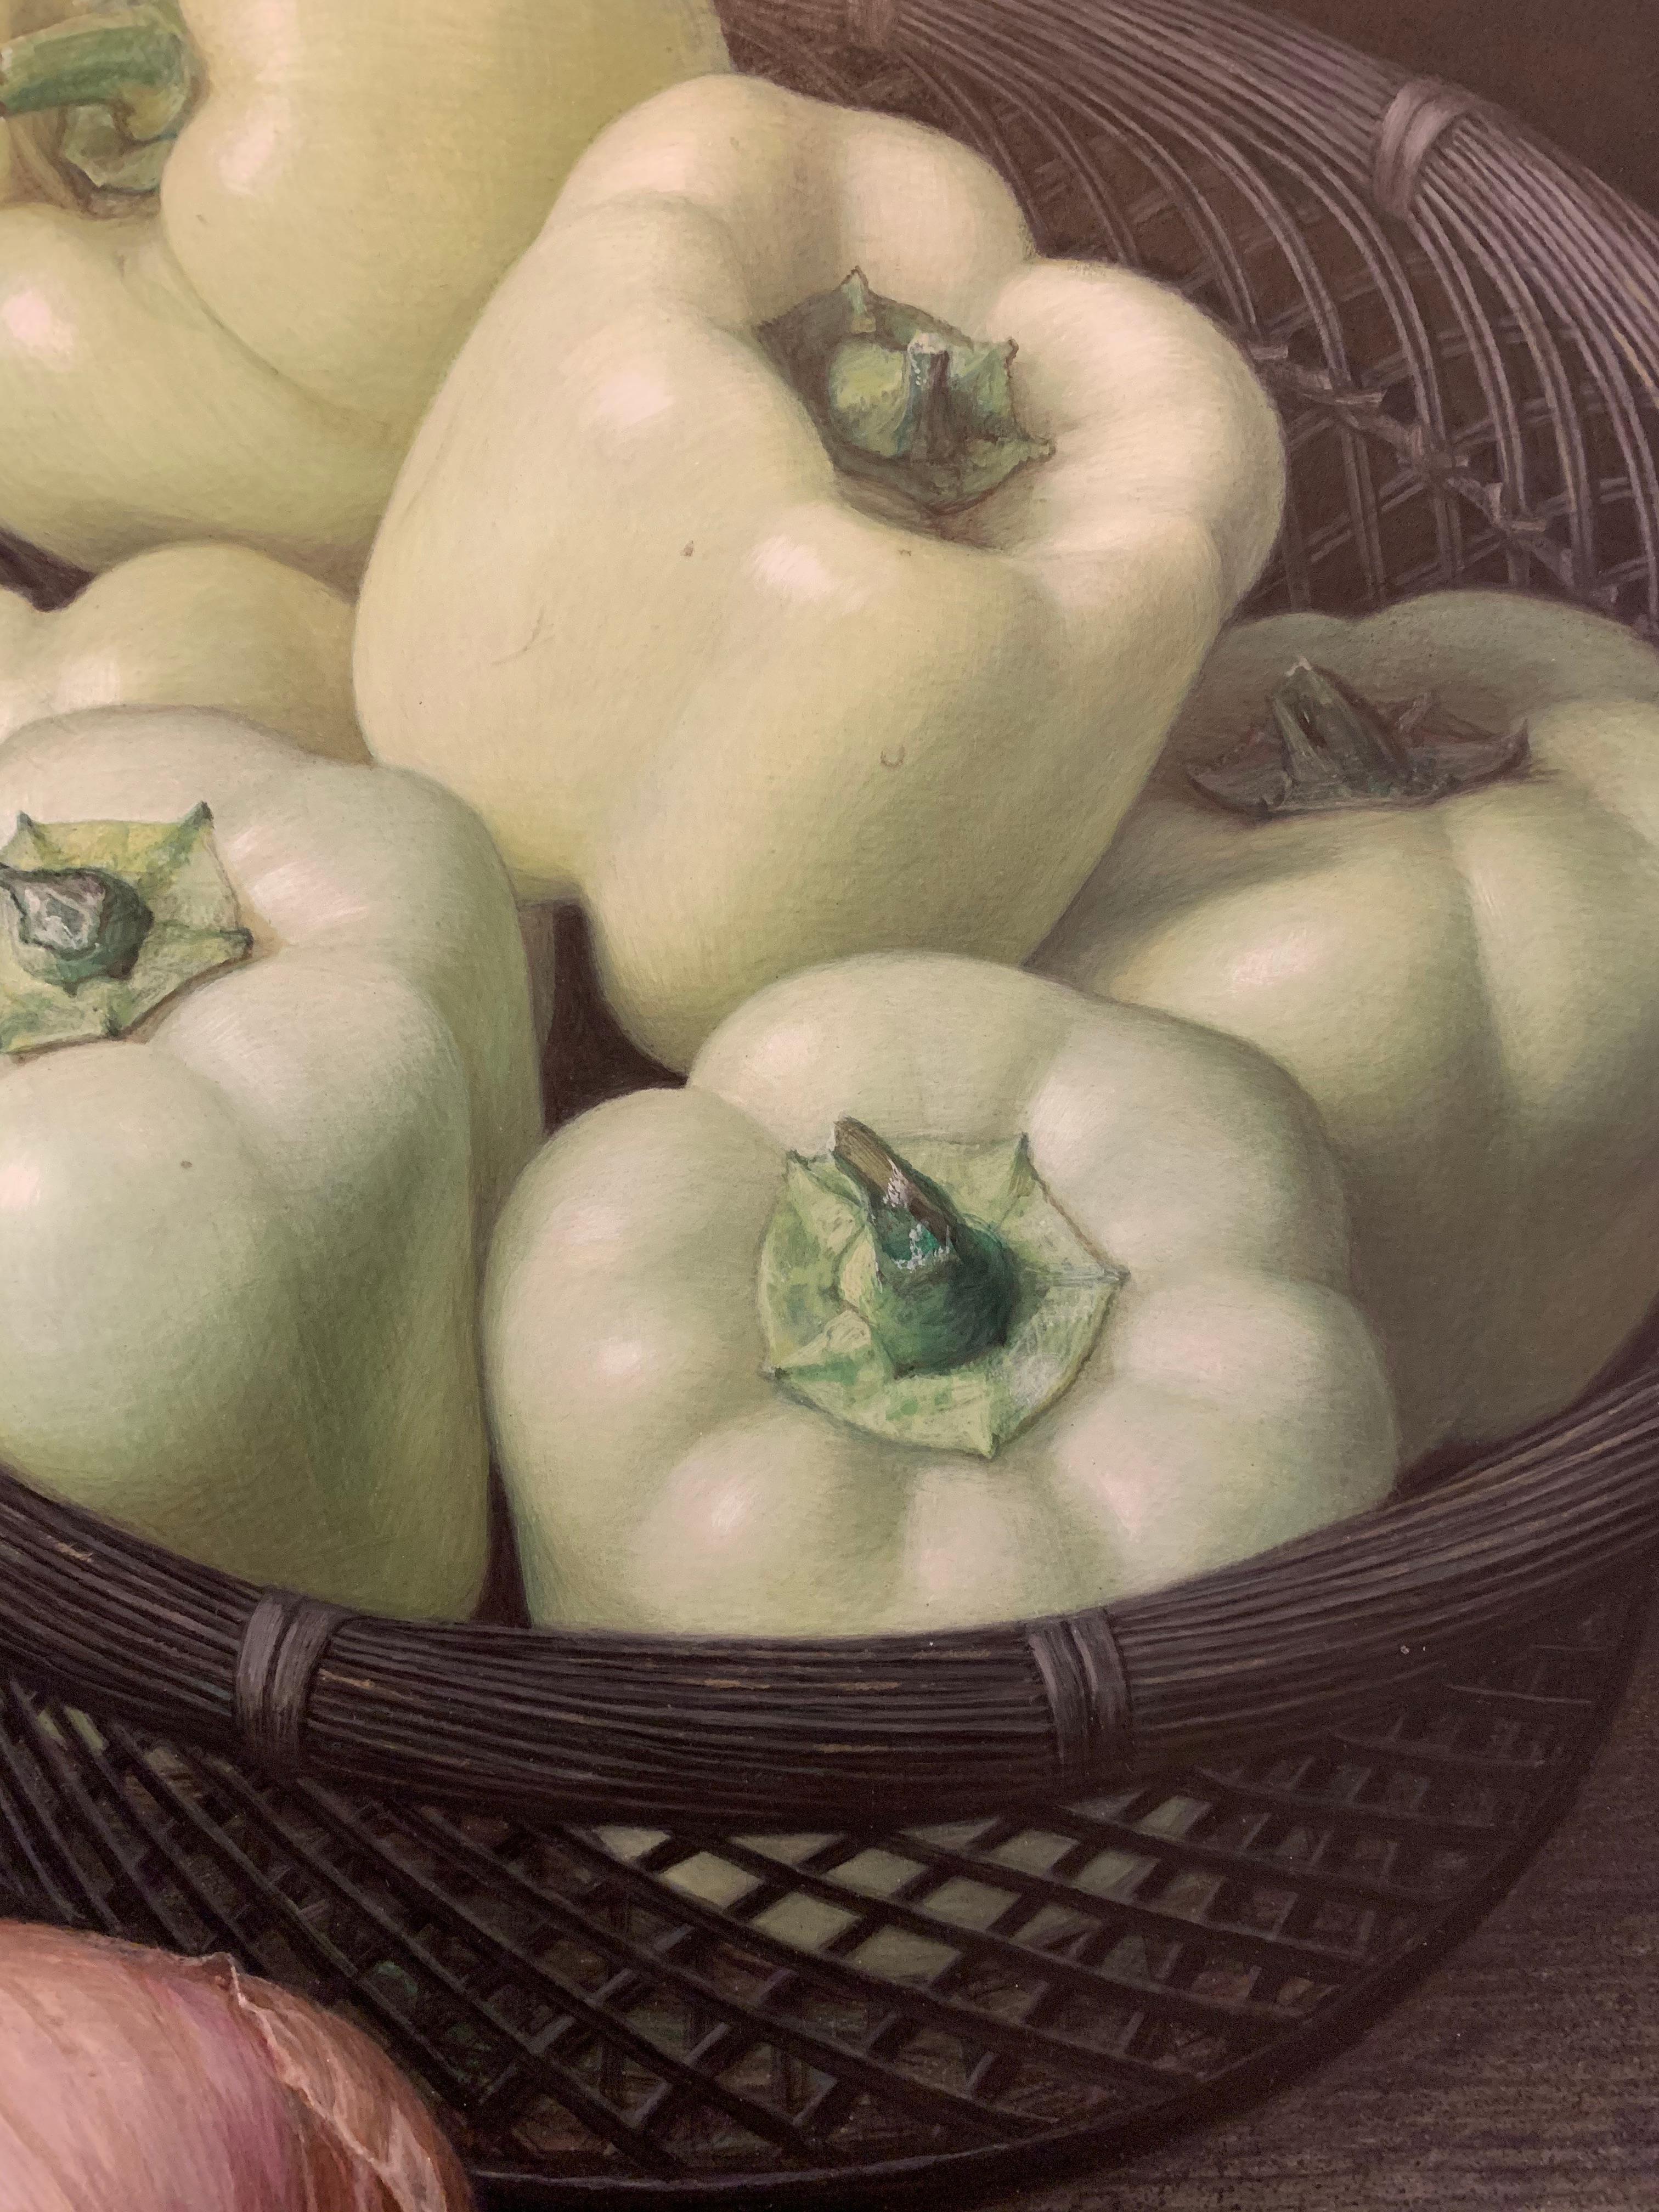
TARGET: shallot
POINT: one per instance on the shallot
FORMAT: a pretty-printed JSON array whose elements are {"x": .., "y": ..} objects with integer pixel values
[{"x": 135, "y": 2081}]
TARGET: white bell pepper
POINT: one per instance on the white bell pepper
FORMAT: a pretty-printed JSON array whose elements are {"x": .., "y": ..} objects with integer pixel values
[
  {"x": 1080, "y": 1326},
  {"x": 266, "y": 1075}
]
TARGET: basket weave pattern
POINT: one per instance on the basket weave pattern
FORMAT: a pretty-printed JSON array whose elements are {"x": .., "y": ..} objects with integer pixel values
[
  {"x": 597, "y": 2008},
  {"x": 1121, "y": 1905}
]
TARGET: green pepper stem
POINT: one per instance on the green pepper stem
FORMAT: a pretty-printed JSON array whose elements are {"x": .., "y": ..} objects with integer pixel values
[
  {"x": 1329, "y": 729},
  {"x": 934, "y": 435},
  {"x": 947, "y": 1287},
  {"x": 926, "y": 429},
  {"x": 890, "y": 1181},
  {"x": 71, "y": 925},
  {"x": 123, "y": 79},
  {"x": 120, "y": 58}
]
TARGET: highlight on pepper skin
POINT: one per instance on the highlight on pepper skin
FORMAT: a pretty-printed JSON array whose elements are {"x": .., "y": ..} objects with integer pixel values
[
  {"x": 240, "y": 246},
  {"x": 267, "y": 1074}
]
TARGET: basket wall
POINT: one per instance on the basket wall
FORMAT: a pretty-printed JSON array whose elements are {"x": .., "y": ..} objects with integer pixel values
[{"x": 697, "y": 2018}]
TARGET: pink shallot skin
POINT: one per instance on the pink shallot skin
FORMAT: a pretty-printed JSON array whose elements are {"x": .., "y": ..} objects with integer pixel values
[{"x": 134, "y": 2081}]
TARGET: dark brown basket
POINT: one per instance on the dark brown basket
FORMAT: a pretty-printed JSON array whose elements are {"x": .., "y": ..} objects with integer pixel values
[
  {"x": 978, "y": 2002},
  {"x": 1463, "y": 332}
]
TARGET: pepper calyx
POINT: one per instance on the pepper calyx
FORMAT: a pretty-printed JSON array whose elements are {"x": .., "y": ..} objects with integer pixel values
[
  {"x": 1322, "y": 747},
  {"x": 832, "y": 1326},
  {"x": 902, "y": 398},
  {"x": 113, "y": 85},
  {"x": 101, "y": 922}
]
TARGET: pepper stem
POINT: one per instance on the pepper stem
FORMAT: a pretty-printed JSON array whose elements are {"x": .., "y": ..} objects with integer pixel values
[
  {"x": 946, "y": 1287},
  {"x": 125, "y": 75},
  {"x": 1322, "y": 747},
  {"x": 902, "y": 397},
  {"x": 1329, "y": 729},
  {"x": 131, "y": 58},
  {"x": 71, "y": 925}
]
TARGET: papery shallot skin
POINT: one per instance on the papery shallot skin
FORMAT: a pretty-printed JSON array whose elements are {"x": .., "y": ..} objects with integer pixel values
[{"x": 135, "y": 2081}]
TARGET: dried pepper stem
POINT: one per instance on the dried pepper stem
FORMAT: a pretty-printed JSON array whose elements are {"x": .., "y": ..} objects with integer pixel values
[{"x": 1322, "y": 747}]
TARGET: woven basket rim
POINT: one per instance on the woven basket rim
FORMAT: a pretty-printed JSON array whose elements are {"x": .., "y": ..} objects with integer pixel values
[
  {"x": 732, "y": 1731},
  {"x": 780, "y": 1732}
]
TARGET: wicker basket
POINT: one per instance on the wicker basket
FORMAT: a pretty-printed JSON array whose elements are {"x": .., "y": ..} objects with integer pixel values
[{"x": 1463, "y": 332}]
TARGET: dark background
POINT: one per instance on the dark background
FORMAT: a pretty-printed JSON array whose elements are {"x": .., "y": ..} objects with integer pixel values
[{"x": 1585, "y": 72}]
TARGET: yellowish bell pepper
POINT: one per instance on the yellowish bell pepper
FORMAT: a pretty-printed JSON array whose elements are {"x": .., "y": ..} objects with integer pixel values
[
  {"x": 190, "y": 626},
  {"x": 1416, "y": 859},
  {"x": 794, "y": 565},
  {"x": 240, "y": 244}
]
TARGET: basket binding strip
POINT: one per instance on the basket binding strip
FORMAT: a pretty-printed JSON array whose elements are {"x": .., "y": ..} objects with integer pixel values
[{"x": 1462, "y": 330}]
